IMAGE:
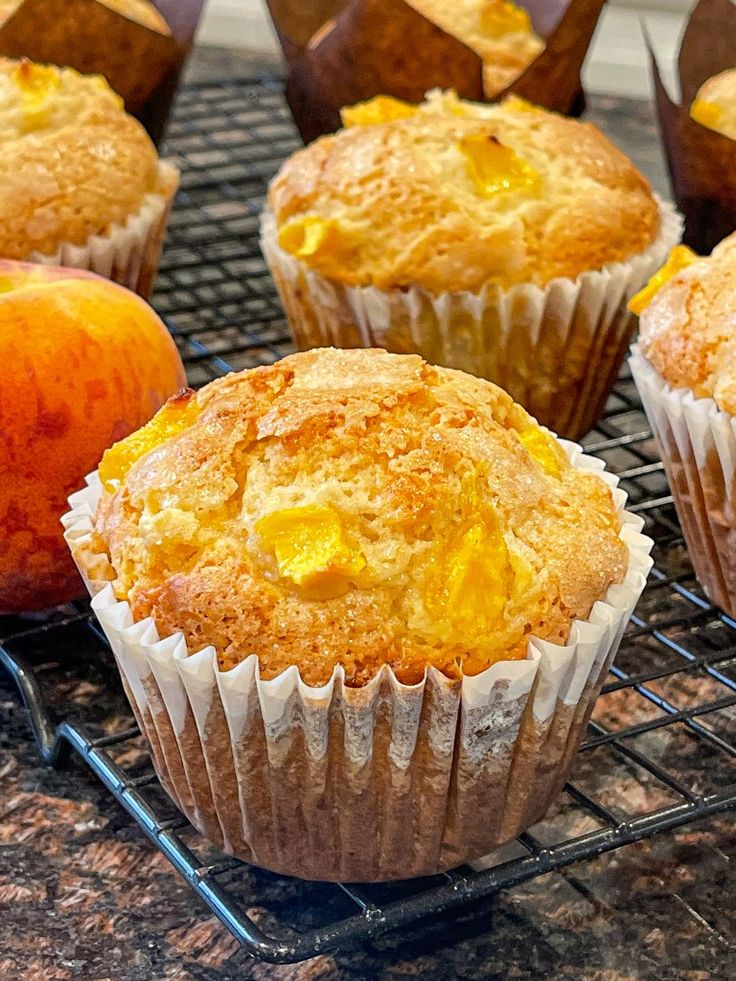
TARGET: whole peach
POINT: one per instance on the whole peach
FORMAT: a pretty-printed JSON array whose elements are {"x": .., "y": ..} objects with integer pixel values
[{"x": 83, "y": 362}]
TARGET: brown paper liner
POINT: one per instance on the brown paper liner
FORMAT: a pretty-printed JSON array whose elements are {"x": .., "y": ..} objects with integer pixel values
[
  {"x": 553, "y": 80},
  {"x": 381, "y": 782},
  {"x": 698, "y": 445},
  {"x": 141, "y": 65},
  {"x": 701, "y": 161},
  {"x": 344, "y": 51}
]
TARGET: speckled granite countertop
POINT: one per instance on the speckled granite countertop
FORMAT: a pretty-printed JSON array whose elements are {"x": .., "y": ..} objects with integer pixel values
[{"x": 84, "y": 896}]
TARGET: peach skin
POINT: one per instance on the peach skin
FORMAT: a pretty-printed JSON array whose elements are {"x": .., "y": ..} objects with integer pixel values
[{"x": 84, "y": 363}]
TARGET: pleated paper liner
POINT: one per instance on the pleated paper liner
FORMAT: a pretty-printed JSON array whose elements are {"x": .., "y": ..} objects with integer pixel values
[
  {"x": 386, "y": 781},
  {"x": 339, "y": 52},
  {"x": 127, "y": 254},
  {"x": 557, "y": 350},
  {"x": 141, "y": 65},
  {"x": 698, "y": 444},
  {"x": 701, "y": 162}
]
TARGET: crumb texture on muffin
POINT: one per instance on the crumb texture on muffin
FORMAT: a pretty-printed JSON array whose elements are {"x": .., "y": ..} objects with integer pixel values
[
  {"x": 356, "y": 508},
  {"x": 688, "y": 329},
  {"x": 456, "y": 195},
  {"x": 714, "y": 105},
  {"x": 499, "y": 31},
  {"x": 73, "y": 162}
]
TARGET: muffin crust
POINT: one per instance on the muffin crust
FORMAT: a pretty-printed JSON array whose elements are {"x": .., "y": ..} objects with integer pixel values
[
  {"x": 459, "y": 195},
  {"x": 73, "y": 162},
  {"x": 356, "y": 508},
  {"x": 688, "y": 330}
]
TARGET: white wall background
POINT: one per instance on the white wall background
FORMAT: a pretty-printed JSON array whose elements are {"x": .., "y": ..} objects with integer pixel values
[{"x": 616, "y": 64}]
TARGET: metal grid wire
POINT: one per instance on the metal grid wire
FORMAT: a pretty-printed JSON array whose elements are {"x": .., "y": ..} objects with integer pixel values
[{"x": 662, "y": 742}]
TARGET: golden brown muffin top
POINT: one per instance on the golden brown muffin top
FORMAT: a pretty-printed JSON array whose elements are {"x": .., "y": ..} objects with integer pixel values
[
  {"x": 715, "y": 104},
  {"x": 688, "y": 329},
  {"x": 499, "y": 31},
  {"x": 454, "y": 195},
  {"x": 356, "y": 508},
  {"x": 73, "y": 163},
  {"x": 142, "y": 11}
]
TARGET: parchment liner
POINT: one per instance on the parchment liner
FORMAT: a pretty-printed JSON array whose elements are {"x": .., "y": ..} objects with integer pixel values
[
  {"x": 128, "y": 254},
  {"x": 556, "y": 350},
  {"x": 698, "y": 444},
  {"x": 386, "y": 781}
]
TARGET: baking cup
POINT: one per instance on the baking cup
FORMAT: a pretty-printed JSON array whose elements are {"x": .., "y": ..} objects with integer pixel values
[
  {"x": 698, "y": 445},
  {"x": 557, "y": 349},
  {"x": 127, "y": 254},
  {"x": 386, "y": 781}
]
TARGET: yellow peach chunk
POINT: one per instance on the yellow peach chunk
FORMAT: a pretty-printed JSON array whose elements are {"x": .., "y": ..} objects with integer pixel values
[
  {"x": 494, "y": 168},
  {"x": 706, "y": 113},
  {"x": 36, "y": 80},
  {"x": 382, "y": 109},
  {"x": 320, "y": 242},
  {"x": 517, "y": 104},
  {"x": 310, "y": 548},
  {"x": 305, "y": 237},
  {"x": 499, "y": 18},
  {"x": 36, "y": 83},
  {"x": 545, "y": 449},
  {"x": 172, "y": 418},
  {"x": 474, "y": 577},
  {"x": 679, "y": 258}
]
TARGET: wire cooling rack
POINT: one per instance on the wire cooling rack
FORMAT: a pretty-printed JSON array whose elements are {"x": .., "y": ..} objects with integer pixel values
[{"x": 661, "y": 746}]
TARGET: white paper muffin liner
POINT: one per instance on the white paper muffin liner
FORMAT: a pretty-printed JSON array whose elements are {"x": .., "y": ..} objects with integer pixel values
[
  {"x": 698, "y": 446},
  {"x": 386, "y": 781},
  {"x": 557, "y": 350},
  {"x": 128, "y": 254}
]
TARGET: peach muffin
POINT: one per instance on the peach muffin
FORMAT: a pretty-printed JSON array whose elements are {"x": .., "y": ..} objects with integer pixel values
[
  {"x": 340, "y": 594},
  {"x": 503, "y": 240},
  {"x": 685, "y": 367},
  {"x": 81, "y": 183}
]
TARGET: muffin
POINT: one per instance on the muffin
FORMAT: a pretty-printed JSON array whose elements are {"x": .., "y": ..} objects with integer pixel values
[
  {"x": 141, "y": 11},
  {"x": 685, "y": 368},
  {"x": 502, "y": 240},
  {"x": 714, "y": 105},
  {"x": 359, "y": 566},
  {"x": 81, "y": 183},
  {"x": 499, "y": 31}
]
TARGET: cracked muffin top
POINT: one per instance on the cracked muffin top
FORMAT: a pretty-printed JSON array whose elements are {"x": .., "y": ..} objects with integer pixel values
[
  {"x": 355, "y": 508},
  {"x": 73, "y": 162},
  {"x": 688, "y": 322},
  {"x": 454, "y": 195}
]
